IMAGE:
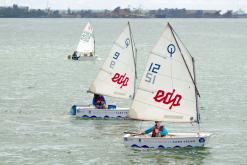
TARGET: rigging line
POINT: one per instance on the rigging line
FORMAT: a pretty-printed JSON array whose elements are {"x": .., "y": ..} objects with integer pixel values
[{"x": 184, "y": 59}]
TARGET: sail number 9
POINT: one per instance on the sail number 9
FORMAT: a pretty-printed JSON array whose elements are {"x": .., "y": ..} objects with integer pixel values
[
  {"x": 117, "y": 54},
  {"x": 152, "y": 71},
  {"x": 113, "y": 61}
]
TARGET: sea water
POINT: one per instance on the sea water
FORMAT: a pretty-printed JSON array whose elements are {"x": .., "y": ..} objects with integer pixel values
[{"x": 38, "y": 85}]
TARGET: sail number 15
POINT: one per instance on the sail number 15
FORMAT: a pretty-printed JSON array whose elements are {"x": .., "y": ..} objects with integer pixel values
[{"x": 152, "y": 71}]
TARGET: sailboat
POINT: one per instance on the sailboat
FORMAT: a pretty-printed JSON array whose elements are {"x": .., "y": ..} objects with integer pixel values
[
  {"x": 86, "y": 46},
  {"x": 168, "y": 93},
  {"x": 116, "y": 78}
]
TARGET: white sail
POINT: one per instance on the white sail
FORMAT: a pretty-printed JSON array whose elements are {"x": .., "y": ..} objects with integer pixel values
[
  {"x": 167, "y": 89},
  {"x": 86, "y": 43},
  {"x": 116, "y": 77}
]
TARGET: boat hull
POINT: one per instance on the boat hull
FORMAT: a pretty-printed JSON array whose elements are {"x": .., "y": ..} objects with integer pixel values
[
  {"x": 85, "y": 58},
  {"x": 175, "y": 140},
  {"x": 82, "y": 58},
  {"x": 90, "y": 112}
]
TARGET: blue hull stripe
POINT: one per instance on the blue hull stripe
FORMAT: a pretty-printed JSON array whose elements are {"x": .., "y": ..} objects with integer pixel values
[{"x": 160, "y": 146}]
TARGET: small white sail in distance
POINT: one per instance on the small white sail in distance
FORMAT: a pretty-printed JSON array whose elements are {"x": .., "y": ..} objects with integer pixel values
[
  {"x": 167, "y": 91},
  {"x": 86, "y": 43},
  {"x": 117, "y": 76}
]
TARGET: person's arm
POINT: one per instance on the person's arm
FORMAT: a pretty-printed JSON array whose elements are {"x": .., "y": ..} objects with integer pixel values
[
  {"x": 149, "y": 130},
  {"x": 94, "y": 101},
  {"x": 103, "y": 99},
  {"x": 164, "y": 132}
]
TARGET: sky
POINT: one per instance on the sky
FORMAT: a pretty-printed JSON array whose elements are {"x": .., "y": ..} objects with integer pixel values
[{"x": 145, "y": 4}]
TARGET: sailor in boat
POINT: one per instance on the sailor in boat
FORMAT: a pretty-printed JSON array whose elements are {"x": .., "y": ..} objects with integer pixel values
[
  {"x": 99, "y": 101},
  {"x": 74, "y": 56},
  {"x": 157, "y": 130}
]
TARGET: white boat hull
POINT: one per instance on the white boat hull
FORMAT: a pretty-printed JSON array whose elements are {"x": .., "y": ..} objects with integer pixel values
[
  {"x": 85, "y": 58},
  {"x": 90, "y": 112},
  {"x": 175, "y": 140}
]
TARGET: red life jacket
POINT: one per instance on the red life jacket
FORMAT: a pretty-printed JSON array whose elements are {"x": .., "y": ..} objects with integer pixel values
[
  {"x": 98, "y": 100},
  {"x": 160, "y": 130}
]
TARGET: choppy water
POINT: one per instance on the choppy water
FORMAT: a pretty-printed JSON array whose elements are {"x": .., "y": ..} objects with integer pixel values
[{"x": 38, "y": 85}]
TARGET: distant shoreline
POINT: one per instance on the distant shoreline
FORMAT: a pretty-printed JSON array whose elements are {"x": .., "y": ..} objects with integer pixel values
[
  {"x": 16, "y": 11},
  {"x": 110, "y": 18}
]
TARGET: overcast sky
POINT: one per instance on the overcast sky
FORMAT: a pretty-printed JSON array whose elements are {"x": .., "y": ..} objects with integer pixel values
[{"x": 145, "y": 4}]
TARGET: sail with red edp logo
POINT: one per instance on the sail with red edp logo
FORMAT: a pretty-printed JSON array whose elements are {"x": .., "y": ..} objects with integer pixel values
[
  {"x": 121, "y": 80},
  {"x": 167, "y": 91},
  {"x": 117, "y": 76},
  {"x": 168, "y": 98}
]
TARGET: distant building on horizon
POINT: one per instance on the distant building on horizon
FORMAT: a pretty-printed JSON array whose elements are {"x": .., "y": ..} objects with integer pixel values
[{"x": 16, "y": 11}]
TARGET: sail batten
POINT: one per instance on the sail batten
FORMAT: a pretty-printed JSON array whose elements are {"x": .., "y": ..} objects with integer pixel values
[
  {"x": 116, "y": 77},
  {"x": 167, "y": 88},
  {"x": 119, "y": 45},
  {"x": 159, "y": 55}
]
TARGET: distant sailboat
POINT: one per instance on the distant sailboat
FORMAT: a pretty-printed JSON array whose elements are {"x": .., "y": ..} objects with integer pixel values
[
  {"x": 116, "y": 78},
  {"x": 86, "y": 46},
  {"x": 167, "y": 92}
]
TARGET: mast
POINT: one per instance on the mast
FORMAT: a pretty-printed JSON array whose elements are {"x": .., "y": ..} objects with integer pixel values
[
  {"x": 197, "y": 92},
  {"x": 94, "y": 42},
  {"x": 47, "y": 4},
  {"x": 196, "y": 95},
  {"x": 93, "y": 39},
  {"x": 134, "y": 58}
]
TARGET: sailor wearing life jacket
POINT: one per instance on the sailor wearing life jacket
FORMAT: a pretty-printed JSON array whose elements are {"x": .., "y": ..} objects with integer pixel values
[
  {"x": 99, "y": 101},
  {"x": 157, "y": 130},
  {"x": 74, "y": 56}
]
